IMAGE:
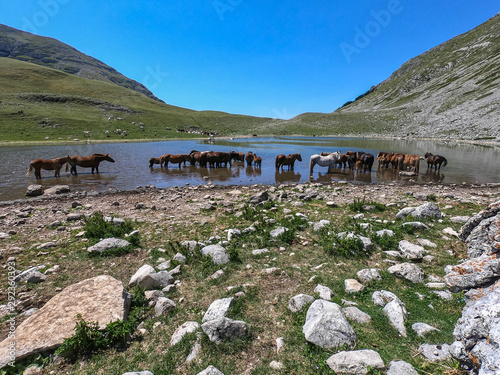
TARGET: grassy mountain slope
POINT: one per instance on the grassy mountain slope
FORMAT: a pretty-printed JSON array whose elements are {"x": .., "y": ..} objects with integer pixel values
[
  {"x": 451, "y": 91},
  {"x": 52, "y": 53},
  {"x": 38, "y": 102}
]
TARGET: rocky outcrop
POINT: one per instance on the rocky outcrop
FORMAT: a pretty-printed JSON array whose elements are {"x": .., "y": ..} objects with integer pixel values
[
  {"x": 477, "y": 341},
  {"x": 101, "y": 299}
]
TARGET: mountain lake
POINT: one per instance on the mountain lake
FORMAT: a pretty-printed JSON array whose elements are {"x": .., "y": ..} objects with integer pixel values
[{"x": 467, "y": 163}]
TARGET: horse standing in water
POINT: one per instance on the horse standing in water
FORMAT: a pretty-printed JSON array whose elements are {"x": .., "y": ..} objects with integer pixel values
[
  {"x": 91, "y": 161},
  {"x": 257, "y": 160},
  {"x": 49, "y": 165},
  {"x": 282, "y": 160},
  {"x": 329, "y": 160},
  {"x": 435, "y": 160}
]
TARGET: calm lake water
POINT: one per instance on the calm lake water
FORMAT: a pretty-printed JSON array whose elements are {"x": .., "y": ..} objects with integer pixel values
[{"x": 466, "y": 163}]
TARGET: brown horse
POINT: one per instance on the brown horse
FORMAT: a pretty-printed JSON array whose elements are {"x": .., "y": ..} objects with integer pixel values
[
  {"x": 238, "y": 156},
  {"x": 249, "y": 158},
  {"x": 49, "y": 165},
  {"x": 154, "y": 161},
  {"x": 91, "y": 161},
  {"x": 215, "y": 159},
  {"x": 289, "y": 160},
  {"x": 435, "y": 160},
  {"x": 175, "y": 159},
  {"x": 199, "y": 157},
  {"x": 412, "y": 162},
  {"x": 257, "y": 160}
]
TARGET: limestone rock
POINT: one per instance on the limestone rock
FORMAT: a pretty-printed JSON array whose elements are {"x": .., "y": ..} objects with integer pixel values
[
  {"x": 320, "y": 224},
  {"x": 435, "y": 353},
  {"x": 34, "y": 190},
  {"x": 408, "y": 271},
  {"x": 384, "y": 232},
  {"x": 416, "y": 225},
  {"x": 278, "y": 232},
  {"x": 410, "y": 250},
  {"x": 327, "y": 326},
  {"x": 355, "y": 362},
  {"x": 296, "y": 303},
  {"x": 422, "y": 328},
  {"x": 181, "y": 331},
  {"x": 148, "y": 278},
  {"x": 382, "y": 297},
  {"x": 101, "y": 298},
  {"x": 259, "y": 198},
  {"x": 224, "y": 328},
  {"x": 218, "y": 309},
  {"x": 425, "y": 211},
  {"x": 368, "y": 274},
  {"x": 353, "y": 286},
  {"x": 353, "y": 313},
  {"x": 401, "y": 368},
  {"x": 472, "y": 273},
  {"x": 107, "y": 244},
  {"x": 163, "y": 306},
  {"x": 324, "y": 292},
  {"x": 396, "y": 313},
  {"x": 58, "y": 189},
  {"x": 210, "y": 370},
  {"x": 217, "y": 253}
]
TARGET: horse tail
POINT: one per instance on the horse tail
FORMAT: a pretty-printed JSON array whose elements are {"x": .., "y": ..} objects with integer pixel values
[
  {"x": 277, "y": 164},
  {"x": 311, "y": 165},
  {"x": 29, "y": 170},
  {"x": 445, "y": 162}
]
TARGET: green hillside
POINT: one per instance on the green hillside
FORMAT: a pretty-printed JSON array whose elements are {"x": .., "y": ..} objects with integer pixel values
[
  {"x": 37, "y": 102},
  {"x": 450, "y": 91},
  {"x": 52, "y": 53}
]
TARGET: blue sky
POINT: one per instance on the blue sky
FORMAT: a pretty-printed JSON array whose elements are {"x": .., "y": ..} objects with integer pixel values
[{"x": 254, "y": 57}]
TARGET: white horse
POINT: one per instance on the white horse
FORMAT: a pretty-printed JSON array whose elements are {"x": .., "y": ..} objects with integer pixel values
[{"x": 324, "y": 161}]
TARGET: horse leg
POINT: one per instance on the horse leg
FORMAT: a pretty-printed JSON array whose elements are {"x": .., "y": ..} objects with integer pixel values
[{"x": 37, "y": 173}]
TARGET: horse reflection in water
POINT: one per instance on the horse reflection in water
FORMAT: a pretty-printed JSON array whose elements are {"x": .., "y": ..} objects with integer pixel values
[
  {"x": 432, "y": 175},
  {"x": 190, "y": 172},
  {"x": 253, "y": 171},
  {"x": 286, "y": 176}
]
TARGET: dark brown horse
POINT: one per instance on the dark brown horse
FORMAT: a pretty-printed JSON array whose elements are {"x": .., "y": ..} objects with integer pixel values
[
  {"x": 282, "y": 160},
  {"x": 199, "y": 157},
  {"x": 435, "y": 160},
  {"x": 91, "y": 161},
  {"x": 215, "y": 159},
  {"x": 49, "y": 165},
  {"x": 249, "y": 158},
  {"x": 154, "y": 161},
  {"x": 238, "y": 156}
]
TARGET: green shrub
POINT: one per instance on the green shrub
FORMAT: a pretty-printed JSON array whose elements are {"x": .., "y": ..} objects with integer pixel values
[
  {"x": 343, "y": 246},
  {"x": 88, "y": 338},
  {"x": 96, "y": 228},
  {"x": 360, "y": 205}
]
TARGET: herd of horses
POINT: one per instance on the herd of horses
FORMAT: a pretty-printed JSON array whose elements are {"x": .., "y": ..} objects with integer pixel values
[
  {"x": 360, "y": 161},
  {"x": 91, "y": 161}
]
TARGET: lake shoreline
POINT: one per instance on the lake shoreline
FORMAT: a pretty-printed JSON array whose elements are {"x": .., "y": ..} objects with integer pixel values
[{"x": 480, "y": 142}]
